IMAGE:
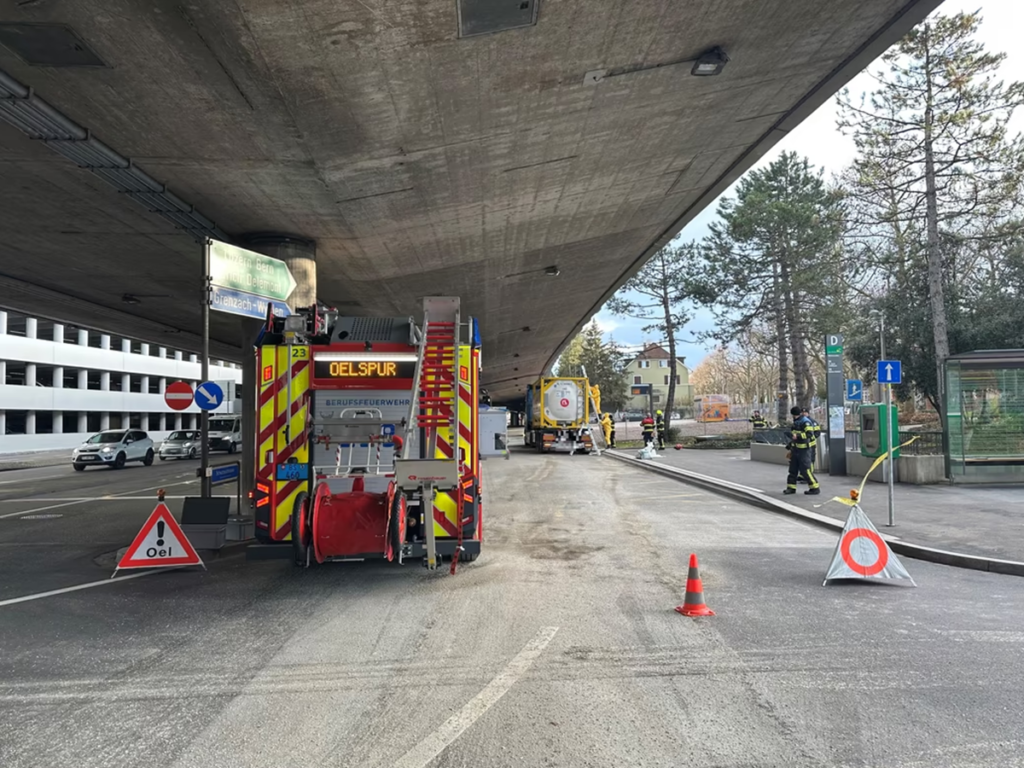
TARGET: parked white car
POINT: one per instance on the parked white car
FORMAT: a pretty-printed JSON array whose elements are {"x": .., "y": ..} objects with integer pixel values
[{"x": 114, "y": 449}]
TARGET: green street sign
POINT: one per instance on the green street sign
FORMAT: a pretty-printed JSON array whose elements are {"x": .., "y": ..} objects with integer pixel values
[
  {"x": 243, "y": 270},
  {"x": 833, "y": 350}
]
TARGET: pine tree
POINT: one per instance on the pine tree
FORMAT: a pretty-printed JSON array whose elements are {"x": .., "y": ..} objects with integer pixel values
[
  {"x": 775, "y": 259},
  {"x": 657, "y": 293},
  {"x": 935, "y": 167}
]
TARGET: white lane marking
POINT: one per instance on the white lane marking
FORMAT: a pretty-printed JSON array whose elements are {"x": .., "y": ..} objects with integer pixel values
[
  {"x": 89, "y": 585},
  {"x": 109, "y": 498},
  {"x": 82, "y": 501},
  {"x": 115, "y": 579},
  {"x": 433, "y": 745}
]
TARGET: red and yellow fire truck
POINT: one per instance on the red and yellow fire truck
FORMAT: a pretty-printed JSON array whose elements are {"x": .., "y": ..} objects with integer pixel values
[{"x": 367, "y": 441}]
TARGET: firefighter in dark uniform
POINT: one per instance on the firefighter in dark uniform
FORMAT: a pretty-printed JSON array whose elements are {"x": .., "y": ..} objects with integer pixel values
[
  {"x": 647, "y": 427},
  {"x": 758, "y": 421},
  {"x": 659, "y": 425},
  {"x": 801, "y": 434},
  {"x": 815, "y": 436}
]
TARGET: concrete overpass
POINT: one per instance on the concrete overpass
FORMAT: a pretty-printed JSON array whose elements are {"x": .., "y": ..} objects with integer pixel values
[{"x": 436, "y": 146}]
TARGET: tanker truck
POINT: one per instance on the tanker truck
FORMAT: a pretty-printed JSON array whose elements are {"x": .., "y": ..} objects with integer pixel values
[{"x": 558, "y": 416}]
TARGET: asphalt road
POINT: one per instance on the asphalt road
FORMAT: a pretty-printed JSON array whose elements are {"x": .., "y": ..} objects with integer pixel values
[{"x": 559, "y": 647}]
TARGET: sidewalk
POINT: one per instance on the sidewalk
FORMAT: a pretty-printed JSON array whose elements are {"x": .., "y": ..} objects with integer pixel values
[
  {"x": 34, "y": 459},
  {"x": 976, "y": 520}
]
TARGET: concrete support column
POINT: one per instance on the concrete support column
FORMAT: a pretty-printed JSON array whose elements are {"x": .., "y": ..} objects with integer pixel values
[
  {"x": 126, "y": 346},
  {"x": 177, "y": 354},
  {"x": 144, "y": 387},
  {"x": 83, "y": 422},
  {"x": 58, "y": 333},
  {"x": 177, "y": 421},
  {"x": 3, "y": 375},
  {"x": 30, "y": 374},
  {"x": 104, "y": 421},
  {"x": 3, "y": 422},
  {"x": 145, "y": 350},
  {"x": 126, "y": 382},
  {"x": 58, "y": 377},
  {"x": 162, "y": 385},
  {"x": 31, "y": 331},
  {"x": 300, "y": 256},
  {"x": 105, "y": 382},
  {"x": 83, "y": 379},
  {"x": 104, "y": 341},
  {"x": 83, "y": 338},
  {"x": 30, "y": 423},
  {"x": 193, "y": 358},
  {"x": 58, "y": 422},
  {"x": 126, "y": 420},
  {"x": 3, "y": 329},
  {"x": 162, "y": 352}
]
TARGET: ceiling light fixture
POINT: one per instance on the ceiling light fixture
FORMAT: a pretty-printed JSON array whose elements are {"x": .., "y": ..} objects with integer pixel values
[{"x": 711, "y": 62}]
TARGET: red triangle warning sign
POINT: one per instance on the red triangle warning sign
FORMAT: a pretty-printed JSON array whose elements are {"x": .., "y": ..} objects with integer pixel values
[{"x": 160, "y": 543}]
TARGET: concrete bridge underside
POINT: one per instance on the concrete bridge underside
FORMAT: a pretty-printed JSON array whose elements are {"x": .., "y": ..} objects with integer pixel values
[{"x": 426, "y": 147}]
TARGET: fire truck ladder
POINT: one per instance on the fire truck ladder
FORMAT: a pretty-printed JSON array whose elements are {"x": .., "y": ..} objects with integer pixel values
[{"x": 433, "y": 412}]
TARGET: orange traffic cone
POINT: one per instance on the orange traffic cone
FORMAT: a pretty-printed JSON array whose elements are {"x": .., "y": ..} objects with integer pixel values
[{"x": 694, "y": 604}]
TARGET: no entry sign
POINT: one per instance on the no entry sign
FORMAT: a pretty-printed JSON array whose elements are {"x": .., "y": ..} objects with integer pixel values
[{"x": 178, "y": 395}]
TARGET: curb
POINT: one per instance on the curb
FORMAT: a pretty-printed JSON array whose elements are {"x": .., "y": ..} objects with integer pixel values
[
  {"x": 755, "y": 498},
  {"x": 16, "y": 467}
]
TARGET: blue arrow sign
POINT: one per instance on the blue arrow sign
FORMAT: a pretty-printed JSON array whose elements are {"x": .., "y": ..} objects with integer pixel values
[
  {"x": 890, "y": 372},
  {"x": 244, "y": 304},
  {"x": 854, "y": 389},
  {"x": 209, "y": 395},
  {"x": 224, "y": 474}
]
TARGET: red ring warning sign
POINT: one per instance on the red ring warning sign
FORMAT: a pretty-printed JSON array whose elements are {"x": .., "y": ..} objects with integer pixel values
[
  {"x": 865, "y": 569},
  {"x": 564, "y": 402}
]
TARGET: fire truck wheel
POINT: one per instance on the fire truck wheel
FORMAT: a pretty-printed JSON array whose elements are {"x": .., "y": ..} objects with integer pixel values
[
  {"x": 465, "y": 557},
  {"x": 302, "y": 534}
]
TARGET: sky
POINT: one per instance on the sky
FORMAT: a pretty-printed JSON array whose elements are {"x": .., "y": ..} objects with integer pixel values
[{"x": 821, "y": 142}]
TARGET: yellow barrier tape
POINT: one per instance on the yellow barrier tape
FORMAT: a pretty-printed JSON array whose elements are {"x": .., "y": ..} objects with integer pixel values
[{"x": 874, "y": 466}]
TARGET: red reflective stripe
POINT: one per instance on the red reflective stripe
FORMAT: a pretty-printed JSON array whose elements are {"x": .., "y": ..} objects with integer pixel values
[
  {"x": 282, "y": 381},
  {"x": 445, "y": 523}
]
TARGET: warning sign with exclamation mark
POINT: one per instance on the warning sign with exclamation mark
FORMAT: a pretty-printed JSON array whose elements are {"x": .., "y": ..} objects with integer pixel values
[{"x": 160, "y": 543}]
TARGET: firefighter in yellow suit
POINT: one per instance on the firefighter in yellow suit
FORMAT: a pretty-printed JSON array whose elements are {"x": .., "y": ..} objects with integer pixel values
[{"x": 609, "y": 430}]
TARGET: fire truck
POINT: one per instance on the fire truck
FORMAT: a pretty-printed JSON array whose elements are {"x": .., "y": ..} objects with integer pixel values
[{"x": 367, "y": 441}]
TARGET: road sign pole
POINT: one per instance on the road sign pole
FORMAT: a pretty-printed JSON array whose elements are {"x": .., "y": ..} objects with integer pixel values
[
  {"x": 206, "y": 490},
  {"x": 889, "y": 447}
]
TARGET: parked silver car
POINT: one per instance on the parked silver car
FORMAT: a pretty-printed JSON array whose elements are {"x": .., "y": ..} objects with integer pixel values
[
  {"x": 183, "y": 444},
  {"x": 113, "y": 449}
]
